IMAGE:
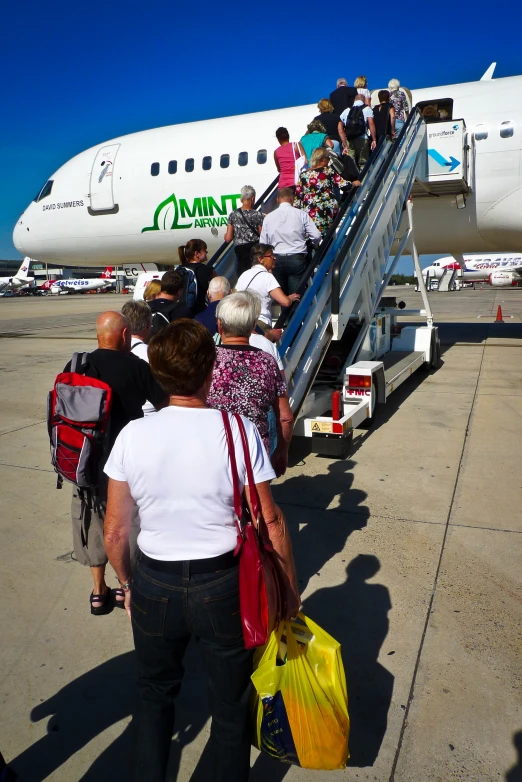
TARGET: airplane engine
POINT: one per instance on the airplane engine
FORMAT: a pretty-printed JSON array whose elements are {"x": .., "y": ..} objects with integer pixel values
[{"x": 503, "y": 279}]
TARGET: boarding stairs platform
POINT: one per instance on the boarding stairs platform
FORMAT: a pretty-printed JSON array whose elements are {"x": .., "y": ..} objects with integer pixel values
[
  {"x": 342, "y": 323},
  {"x": 339, "y": 318},
  {"x": 447, "y": 280}
]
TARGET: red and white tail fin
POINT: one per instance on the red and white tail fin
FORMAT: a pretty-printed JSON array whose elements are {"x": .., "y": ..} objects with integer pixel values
[
  {"x": 23, "y": 271},
  {"x": 107, "y": 274},
  {"x": 47, "y": 285}
]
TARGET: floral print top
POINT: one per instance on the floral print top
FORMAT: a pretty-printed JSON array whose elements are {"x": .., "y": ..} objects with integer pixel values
[
  {"x": 246, "y": 223},
  {"x": 316, "y": 194},
  {"x": 399, "y": 101},
  {"x": 247, "y": 381}
]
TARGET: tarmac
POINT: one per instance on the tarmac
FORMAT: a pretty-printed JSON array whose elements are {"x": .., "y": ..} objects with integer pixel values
[{"x": 408, "y": 553}]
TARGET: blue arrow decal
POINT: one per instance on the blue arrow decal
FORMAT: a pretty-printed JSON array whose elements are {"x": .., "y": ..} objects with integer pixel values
[
  {"x": 437, "y": 157},
  {"x": 454, "y": 163}
]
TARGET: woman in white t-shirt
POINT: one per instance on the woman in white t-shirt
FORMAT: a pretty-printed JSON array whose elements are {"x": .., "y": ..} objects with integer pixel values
[
  {"x": 175, "y": 466},
  {"x": 260, "y": 280}
]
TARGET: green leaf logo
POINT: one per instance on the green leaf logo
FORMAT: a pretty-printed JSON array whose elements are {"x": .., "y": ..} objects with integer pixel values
[{"x": 166, "y": 216}]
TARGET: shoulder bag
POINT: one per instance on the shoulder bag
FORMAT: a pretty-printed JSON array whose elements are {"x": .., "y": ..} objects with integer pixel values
[
  {"x": 261, "y": 601},
  {"x": 299, "y": 162},
  {"x": 253, "y": 231}
]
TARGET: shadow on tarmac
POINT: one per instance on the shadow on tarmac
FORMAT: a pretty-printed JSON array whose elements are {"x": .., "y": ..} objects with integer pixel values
[
  {"x": 515, "y": 774},
  {"x": 102, "y": 697},
  {"x": 355, "y": 613}
]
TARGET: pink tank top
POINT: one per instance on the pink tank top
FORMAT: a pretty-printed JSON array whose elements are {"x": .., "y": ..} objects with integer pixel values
[{"x": 286, "y": 157}]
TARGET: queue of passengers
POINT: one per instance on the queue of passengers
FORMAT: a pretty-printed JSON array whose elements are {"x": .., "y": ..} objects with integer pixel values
[{"x": 162, "y": 511}]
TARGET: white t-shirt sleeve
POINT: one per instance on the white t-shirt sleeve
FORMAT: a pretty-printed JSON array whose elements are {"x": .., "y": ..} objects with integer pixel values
[
  {"x": 270, "y": 282},
  {"x": 114, "y": 466},
  {"x": 261, "y": 467}
]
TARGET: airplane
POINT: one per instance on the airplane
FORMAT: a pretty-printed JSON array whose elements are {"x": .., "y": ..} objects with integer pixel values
[
  {"x": 498, "y": 269},
  {"x": 19, "y": 280},
  {"x": 138, "y": 197},
  {"x": 71, "y": 285}
]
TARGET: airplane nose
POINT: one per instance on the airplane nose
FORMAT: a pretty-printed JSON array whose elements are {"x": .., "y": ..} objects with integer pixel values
[{"x": 18, "y": 236}]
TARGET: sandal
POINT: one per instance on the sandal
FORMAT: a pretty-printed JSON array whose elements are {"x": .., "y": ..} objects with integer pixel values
[
  {"x": 100, "y": 604},
  {"x": 119, "y": 593}
]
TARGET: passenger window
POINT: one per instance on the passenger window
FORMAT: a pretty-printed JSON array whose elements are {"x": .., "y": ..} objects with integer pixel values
[
  {"x": 224, "y": 161},
  {"x": 242, "y": 158},
  {"x": 189, "y": 164},
  {"x": 45, "y": 191},
  {"x": 261, "y": 156},
  {"x": 481, "y": 132},
  {"x": 506, "y": 129},
  {"x": 173, "y": 166},
  {"x": 207, "y": 163},
  {"x": 154, "y": 169}
]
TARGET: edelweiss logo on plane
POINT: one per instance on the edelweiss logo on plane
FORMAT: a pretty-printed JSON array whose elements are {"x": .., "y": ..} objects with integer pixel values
[{"x": 207, "y": 211}]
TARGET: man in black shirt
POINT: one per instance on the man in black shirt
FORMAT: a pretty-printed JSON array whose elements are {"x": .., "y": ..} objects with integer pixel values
[
  {"x": 166, "y": 307},
  {"x": 343, "y": 97},
  {"x": 132, "y": 385}
]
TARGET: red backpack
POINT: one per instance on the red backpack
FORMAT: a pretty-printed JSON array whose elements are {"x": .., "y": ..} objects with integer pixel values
[{"x": 78, "y": 411}]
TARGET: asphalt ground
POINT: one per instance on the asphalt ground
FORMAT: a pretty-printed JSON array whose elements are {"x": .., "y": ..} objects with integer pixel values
[{"x": 408, "y": 553}]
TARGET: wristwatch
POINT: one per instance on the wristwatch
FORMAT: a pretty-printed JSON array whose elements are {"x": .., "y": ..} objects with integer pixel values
[{"x": 125, "y": 585}]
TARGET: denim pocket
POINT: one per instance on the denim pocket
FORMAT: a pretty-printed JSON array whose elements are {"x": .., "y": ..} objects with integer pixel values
[
  {"x": 148, "y": 613},
  {"x": 223, "y": 612}
]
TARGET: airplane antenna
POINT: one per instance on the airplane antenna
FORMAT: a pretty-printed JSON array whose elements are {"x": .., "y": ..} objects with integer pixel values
[{"x": 489, "y": 73}]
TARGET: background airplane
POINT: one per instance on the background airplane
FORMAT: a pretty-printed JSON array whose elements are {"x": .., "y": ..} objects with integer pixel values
[
  {"x": 20, "y": 278},
  {"x": 138, "y": 197},
  {"x": 71, "y": 285},
  {"x": 498, "y": 269}
]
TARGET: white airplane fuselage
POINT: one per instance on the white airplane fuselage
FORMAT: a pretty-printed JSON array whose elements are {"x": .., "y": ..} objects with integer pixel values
[
  {"x": 106, "y": 206},
  {"x": 478, "y": 268}
]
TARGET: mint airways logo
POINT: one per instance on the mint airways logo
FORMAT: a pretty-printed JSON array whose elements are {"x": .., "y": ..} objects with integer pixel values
[{"x": 205, "y": 211}]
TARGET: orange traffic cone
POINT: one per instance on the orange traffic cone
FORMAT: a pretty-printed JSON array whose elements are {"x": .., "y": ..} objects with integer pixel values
[{"x": 499, "y": 318}]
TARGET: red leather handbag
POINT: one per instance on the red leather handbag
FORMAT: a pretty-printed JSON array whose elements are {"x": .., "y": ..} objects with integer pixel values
[{"x": 261, "y": 599}]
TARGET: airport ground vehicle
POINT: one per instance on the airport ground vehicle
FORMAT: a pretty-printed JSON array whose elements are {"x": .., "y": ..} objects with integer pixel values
[{"x": 342, "y": 349}]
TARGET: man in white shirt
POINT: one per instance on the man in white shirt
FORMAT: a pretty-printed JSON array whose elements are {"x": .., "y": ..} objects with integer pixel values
[
  {"x": 359, "y": 145},
  {"x": 287, "y": 230},
  {"x": 140, "y": 320}
]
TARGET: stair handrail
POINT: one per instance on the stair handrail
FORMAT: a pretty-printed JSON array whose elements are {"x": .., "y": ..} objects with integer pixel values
[{"x": 414, "y": 117}]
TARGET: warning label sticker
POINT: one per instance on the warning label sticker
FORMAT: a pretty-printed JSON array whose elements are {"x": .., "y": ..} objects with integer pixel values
[{"x": 322, "y": 426}]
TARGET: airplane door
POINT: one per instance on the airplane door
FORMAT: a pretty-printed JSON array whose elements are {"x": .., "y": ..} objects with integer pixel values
[{"x": 101, "y": 188}]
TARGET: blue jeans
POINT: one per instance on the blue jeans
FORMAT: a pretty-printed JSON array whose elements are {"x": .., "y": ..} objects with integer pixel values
[
  {"x": 399, "y": 124},
  {"x": 288, "y": 271},
  {"x": 167, "y": 609},
  {"x": 336, "y": 147}
]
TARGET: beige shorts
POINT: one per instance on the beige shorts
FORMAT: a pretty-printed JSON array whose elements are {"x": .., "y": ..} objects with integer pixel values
[{"x": 88, "y": 516}]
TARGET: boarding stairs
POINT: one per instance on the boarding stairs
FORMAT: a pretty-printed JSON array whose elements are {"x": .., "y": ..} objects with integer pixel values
[
  {"x": 447, "y": 280},
  {"x": 335, "y": 322},
  {"x": 352, "y": 270}
]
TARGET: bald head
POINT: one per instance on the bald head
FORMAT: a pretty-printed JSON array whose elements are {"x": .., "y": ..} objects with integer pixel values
[{"x": 113, "y": 331}]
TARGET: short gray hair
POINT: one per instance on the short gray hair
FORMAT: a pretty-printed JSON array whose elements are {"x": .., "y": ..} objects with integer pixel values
[
  {"x": 247, "y": 193},
  {"x": 138, "y": 314},
  {"x": 237, "y": 315},
  {"x": 394, "y": 84},
  {"x": 218, "y": 285},
  {"x": 255, "y": 300},
  {"x": 342, "y": 83}
]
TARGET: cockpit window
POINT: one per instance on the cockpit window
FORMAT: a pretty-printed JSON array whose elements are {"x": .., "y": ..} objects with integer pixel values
[{"x": 45, "y": 191}]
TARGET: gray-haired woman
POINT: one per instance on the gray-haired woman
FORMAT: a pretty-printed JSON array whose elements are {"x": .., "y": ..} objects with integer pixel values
[
  {"x": 244, "y": 227},
  {"x": 246, "y": 380},
  {"x": 399, "y": 101}
]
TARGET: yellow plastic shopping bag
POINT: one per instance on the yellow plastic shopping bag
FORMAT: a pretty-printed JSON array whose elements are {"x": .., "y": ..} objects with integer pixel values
[{"x": 301, "y": 703}]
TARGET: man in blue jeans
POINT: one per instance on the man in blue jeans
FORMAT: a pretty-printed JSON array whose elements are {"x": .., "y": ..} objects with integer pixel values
[{"x": 287, "y": 229}]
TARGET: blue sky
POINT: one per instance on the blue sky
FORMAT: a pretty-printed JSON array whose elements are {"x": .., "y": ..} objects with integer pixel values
[{"x": 75, "y": 75}]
